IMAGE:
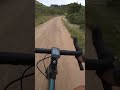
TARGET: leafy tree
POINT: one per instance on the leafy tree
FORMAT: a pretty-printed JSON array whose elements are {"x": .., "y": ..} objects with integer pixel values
[{"x": 74, "y": 8}]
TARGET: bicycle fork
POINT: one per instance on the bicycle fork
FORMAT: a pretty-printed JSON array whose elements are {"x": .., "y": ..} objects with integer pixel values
[{"x": 51, "y": 73}]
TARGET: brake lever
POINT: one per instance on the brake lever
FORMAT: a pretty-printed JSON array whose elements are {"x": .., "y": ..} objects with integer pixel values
[
  {"x": 80, "y": 65},
  {"x": 75, "y": 41}
]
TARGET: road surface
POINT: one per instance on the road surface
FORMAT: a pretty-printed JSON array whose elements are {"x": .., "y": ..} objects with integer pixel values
[{"x": 53, "y": 33}]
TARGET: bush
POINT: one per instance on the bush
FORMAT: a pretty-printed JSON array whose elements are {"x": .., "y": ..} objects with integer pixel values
[
  {"x": 82, "y": 26},
  {"x": 76, "y": 18},
  {"x": 74, "y": 8}
]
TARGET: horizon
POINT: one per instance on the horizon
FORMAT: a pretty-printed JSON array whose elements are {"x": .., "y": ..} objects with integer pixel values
[{"x": 61, "y": 2}]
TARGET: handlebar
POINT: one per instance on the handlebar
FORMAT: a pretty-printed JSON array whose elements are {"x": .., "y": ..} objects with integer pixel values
[
  {"x": 62, "y": 52},
  {"x": 76, "y": 53},
  {"x": 75, "y": 41},
  {"x": 29, "y": 59},
  {"x": 17, "y": 58}
]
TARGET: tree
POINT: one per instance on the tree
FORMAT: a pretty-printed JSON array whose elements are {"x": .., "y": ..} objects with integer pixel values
[{"x": 74, "y": 8}]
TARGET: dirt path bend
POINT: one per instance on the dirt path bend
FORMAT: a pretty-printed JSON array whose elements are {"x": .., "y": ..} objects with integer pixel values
[{"x": 53, "y": 33}]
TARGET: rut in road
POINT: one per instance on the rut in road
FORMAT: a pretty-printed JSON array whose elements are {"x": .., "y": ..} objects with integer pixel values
[{"x": 53, "y": 33}]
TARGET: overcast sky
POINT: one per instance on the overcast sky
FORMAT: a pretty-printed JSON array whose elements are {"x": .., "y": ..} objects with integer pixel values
[{"x": 60, "y": 2}]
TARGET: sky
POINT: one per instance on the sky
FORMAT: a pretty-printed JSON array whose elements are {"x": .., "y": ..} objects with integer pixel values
[{"x": 60, "y": 2}]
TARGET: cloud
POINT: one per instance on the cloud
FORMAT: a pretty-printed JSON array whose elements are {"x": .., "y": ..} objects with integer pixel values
[{"x": 60, "y": 2}]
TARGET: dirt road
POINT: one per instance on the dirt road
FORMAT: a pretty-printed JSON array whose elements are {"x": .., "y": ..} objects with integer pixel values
[{"x": 53, "y": 33}]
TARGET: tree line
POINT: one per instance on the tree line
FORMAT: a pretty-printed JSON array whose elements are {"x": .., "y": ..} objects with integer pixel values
[{"x": 74, "y": 12}]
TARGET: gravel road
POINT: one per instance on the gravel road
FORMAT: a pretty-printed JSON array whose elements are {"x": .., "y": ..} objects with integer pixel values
[{"x": 53, "y": 33}]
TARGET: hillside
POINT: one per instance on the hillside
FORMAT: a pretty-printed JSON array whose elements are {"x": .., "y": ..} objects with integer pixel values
[
  {"x": 44, "y": 13},
  {"x": 40, "y": 13}
]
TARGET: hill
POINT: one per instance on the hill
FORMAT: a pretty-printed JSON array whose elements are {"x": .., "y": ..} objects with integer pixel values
[{"x": 43, "y": 13}]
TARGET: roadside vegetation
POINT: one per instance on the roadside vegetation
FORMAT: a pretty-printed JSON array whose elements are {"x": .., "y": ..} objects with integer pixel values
[
  {"x": 74, "y": 21},
  {"x": 44, "y": 13},
  {"x": 75, "y": 31},
  {"x": 41, "y": 15},
  {"x": 76, "y": 14}
]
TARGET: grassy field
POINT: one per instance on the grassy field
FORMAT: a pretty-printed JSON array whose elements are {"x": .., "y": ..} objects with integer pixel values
[
  {"x": 41, "y": 19},
  {"x": 75, "y": 31}
]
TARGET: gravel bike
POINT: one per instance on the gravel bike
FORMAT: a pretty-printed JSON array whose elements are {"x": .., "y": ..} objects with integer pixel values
[
  {"x": 29, "y": 60},
  {"x": 51, "y": 70}
]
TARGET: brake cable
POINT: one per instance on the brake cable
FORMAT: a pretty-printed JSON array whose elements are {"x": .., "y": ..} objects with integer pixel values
[
  {"x": 23, "y": 75},
  {"x": 20, "y": 78},
  {"x": 45, "y": 57}
]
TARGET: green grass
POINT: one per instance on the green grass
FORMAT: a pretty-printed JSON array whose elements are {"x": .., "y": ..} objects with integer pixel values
[
  {"x": 42, "y": 13},
  {"x": 41, "y": 19},
  {"x": 75, "y": 31}
]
